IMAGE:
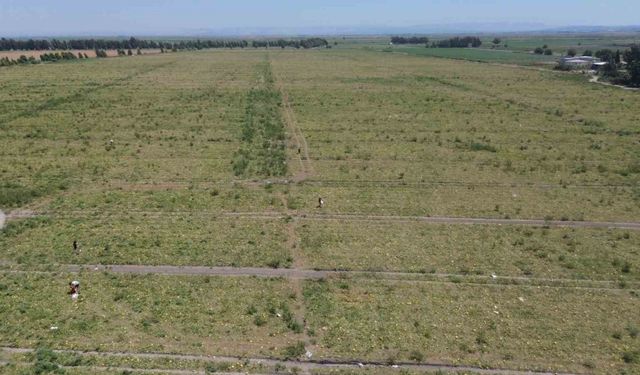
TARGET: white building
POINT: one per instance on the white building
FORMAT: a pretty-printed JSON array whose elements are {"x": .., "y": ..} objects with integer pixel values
[{"x": 581, "y": 62}]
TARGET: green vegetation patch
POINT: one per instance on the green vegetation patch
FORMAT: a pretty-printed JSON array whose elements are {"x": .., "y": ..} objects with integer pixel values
[
  {"x": 14, "y": 194},
  {"x": 263, "y": 133},
  {"x": 480, "y": 55}
]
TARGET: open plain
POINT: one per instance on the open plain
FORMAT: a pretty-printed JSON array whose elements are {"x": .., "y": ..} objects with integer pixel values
[{"x": 446, "y": 184}]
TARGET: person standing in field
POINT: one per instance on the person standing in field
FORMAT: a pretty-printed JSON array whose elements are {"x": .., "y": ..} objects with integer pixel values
[
  {"x": 74, "y": 290},
  {"x": 320, "y": 202}
]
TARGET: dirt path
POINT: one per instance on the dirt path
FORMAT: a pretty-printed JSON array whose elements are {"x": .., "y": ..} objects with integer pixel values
[
  {"x": 596, "y": 79},
  {"x": 274, "y": 215},
  {"x": 470, "y": 221},
  {"x": 16, "y": 214},
  {"x": 297, "y": 275},
  {"x": 305, "y": 366},
  {"x": 306, "y": 169},
  {"x": 299, "y": 310}
]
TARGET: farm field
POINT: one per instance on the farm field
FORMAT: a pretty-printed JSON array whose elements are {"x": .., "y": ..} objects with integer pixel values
[
  {"x": 513, "y": 49},
  {"x": 486, "y": 326},
  {"x": 218, "y": 159},
  {"x": 562, "y": 42},
  {"x": 505, "y": 56}
]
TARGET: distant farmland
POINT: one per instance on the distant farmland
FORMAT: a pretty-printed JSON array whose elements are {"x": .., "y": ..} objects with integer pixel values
[{"x": 482, "y": 55}]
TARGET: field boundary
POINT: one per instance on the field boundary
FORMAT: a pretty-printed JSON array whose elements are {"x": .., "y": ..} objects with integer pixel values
[
  {"x": 296, "y": 274},
  {"x": 276, "y": 215},
  {"x": 303, "y": 365},
  {"x": 177, "y": 183}
]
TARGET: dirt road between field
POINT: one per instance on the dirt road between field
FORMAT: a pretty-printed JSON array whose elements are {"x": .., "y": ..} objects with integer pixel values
[
  {"x": 302, "y": 148},
  {"x": 299, "y": 215},
  {"x": 17, "y": 214},
  {"x": 483, "y": 221},
  {"x": 309, "y": 274},
  {"x": 596, "y": 79},
  {"x": 441, "y": 220},
  {"x": 305, "y": 366}
]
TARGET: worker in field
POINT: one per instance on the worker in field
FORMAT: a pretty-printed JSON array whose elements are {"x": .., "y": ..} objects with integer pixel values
[
  {"x": 320, "y": 202},
  {"x": 75, "y": 247},
  {"x": 74, "y": 289}
]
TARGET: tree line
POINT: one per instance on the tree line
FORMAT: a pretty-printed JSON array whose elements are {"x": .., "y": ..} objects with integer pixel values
[
  {"x": 458, "y": 42},
  {"x": 623, "y": 67},
  {"x": 45, "y": 57},
  {"x": 303, "y": 43},
  {"x": 544, "y": 50},
  {"x": 133, "y": 43},
  {"x": 409, "y": 40},
  {"x": 57, "y": 56}
]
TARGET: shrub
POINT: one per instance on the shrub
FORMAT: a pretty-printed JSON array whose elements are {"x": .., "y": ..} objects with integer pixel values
[
  {"x": 251, "y": 310},
  {"x": 45, "y": 362},
  {"x": 631, "y": 356},
  {"x": 213, "y": 368},
  {"x": 259, "y": 320},
  {"x": 475, "y": 146},
  {"x": 294, "y": 350},
  {"x": 416, "y": 356},
  {"x": 14, "y": 195},
  {"x": 633, "y": 331}
]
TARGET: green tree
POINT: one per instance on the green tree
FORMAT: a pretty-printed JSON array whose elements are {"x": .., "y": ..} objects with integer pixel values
[
  {"x": 634, "y": 73},
  {"x": 611, "y": 69},
  {"x": 604, "y": 54},
  {"x": 632, "y": 54},
  {"x": 571, "y": 52}
]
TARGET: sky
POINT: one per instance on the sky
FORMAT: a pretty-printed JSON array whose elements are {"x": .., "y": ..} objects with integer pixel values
[{"x": 185, "y": 17}]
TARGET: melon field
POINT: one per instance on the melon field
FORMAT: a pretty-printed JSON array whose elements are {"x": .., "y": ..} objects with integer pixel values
[{"x": 475, "y": 218}]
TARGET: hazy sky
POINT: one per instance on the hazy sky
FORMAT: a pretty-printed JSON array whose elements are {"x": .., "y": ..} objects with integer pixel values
[{"x": 137, "y": 17}]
